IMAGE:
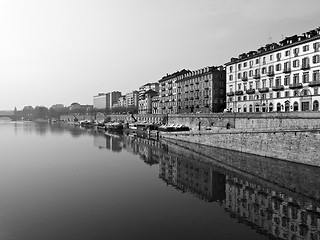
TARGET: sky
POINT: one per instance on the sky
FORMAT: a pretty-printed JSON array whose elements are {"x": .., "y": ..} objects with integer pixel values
[{"x": 65, "y": 51}]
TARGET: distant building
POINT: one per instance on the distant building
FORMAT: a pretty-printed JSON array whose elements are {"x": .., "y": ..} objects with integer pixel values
[
  {"x": 112, "y": 98},
  {"x": 75, "y": 107},
  {"x": 153, "y": 86},
  {"x": 145, "y": 105},
  {"x": 280, "y": 77},
  {"x": 122, "y": 102},
  {"x": 100, "y": 101},
  {"x": 132, "y": 99}
]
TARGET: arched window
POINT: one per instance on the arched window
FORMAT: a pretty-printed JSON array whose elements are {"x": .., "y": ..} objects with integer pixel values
[
  {"x": 295, "y": 106},
  {"x": 239, "y": 108},
  {"x": 244, "y": 108},
  {"x": 315, "y": 105},
  {"x": 257, "y": 108},
  {"x": 250, "y": 108},
  {"x": 270, "y": 107},
  {"x": 278, "y": 107},
  {"x": 264, "y": 107},
  {"x": 287, "y": 107}
]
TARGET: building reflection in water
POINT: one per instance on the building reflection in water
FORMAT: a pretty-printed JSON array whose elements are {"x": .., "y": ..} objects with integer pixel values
[{"x": 269, "y": 207}]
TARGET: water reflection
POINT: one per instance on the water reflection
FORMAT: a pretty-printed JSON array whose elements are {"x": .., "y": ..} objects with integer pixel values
[
  {"x": 285, "y": 207},
  {"x": 277, "y": 199}
]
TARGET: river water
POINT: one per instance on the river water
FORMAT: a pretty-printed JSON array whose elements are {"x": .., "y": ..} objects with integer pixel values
[{"x": 66, "y": 182}]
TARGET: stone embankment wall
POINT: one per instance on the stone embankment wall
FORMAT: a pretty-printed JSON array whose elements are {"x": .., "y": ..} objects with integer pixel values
[{"x": 302, "y": 146}]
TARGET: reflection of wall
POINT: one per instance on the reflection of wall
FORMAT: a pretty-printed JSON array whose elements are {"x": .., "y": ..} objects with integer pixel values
[
  {"x": 192, "y": 176},
  {"x": 113, "y": 143},
  {"x": 276, "y": 213},
  {"x": 148, "y": 150}
]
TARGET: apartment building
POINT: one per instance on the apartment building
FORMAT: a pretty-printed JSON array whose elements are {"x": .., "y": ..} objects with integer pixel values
[
  {"x": 168, "y": 92},
  {"x": 281, "y": 76},
  {"x": 153, "y": 86},
  {"x": 132, "y": 98},
  {"x": 201, "y": 91},
  {"x": 100, "y": 101}
]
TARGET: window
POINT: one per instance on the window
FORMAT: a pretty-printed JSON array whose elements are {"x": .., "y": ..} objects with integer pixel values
[
  {"x": 316, "y": 46},
  {"x": 278, "y": 56},
  {"x": 305, "y": 77},
  {"x": 287, "y": 80},
  {"x": 239, "y": 86},
  {"x": 244, "y": 98},
  {"x": 239, "y": 66},
  {"x": 316, "y": 58},
  {"x": 305, "y": 62},
  {"x": 315, "y": 75},
  {"x": 296, "y": 78},
  {"x": 278, "y": 94},
  {"x": 251, "y": 63},
  {"x": 263, "y": 96},
  {"x": 271, "y": 57},
  {"x": 230, "y": 77},
  {"x": 230, "y": 68},
  {"x": 315, "y": 91},
  {"x": 250, "y": 73},
  {"x": 264, "y": 70},
  {"x": 296, "y": 63},
  {"x": 278, "y": 81},
  {"x": 245, "y": 86},
  {"x": 296, "y": 52},
  {"x": 306, "y": 48},
  {"x": 264, "y": 60},
  {"x": 287, "y": 93},
  {"x": 245, "y": 64},
  {"x": 263, "y": 83},
  {"x": 239, "y": 99},
  {"x": 257, "y": 61},
  {"x": 257, "y": 84},
  {"x": 239, "y": 75},
  {"x": 286, "y": 65},
  {"x": 278, "y": 67},
  {"x": 287, "y": 53},
  {"x": 296, "y": 93},
  {"x": 278, "y": 107},
  {"x": 270, "y": 82},
  {"x": 270, "y": 107},
  {"x": 250, "y": 85}
]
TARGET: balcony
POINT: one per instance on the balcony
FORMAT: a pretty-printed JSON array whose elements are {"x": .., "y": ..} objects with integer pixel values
[
  {"x": 230, "y": 93},
  {"x": 244, "y": 79},
  {"x": 295, "y": 85},
  {"x": 278, "y": 88},
  {"x": 256, "y": 76},
  {"x": 270, "y": 73},
  {"x": 250, "y": 91},
  {"x": 287, "y": 70},
  {"x": 305, "y": 66},
  {"x": 240, "y": 92},
  {"x": 263, "y": 90},
  {"x": 314, "y": 83}
]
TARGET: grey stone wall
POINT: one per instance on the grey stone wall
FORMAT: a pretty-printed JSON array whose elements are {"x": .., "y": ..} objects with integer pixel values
[{"x": 297, "y": 146}]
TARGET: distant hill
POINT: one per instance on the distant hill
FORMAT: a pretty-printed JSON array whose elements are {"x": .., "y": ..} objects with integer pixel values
[{"x": 5, "y": 112}]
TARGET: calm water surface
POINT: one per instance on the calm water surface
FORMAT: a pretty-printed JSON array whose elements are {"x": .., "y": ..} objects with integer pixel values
[{"x": 59, "y": 182}]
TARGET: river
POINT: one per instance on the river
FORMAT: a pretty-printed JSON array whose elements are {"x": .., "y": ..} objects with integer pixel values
[{"x": 66, "y": 182}]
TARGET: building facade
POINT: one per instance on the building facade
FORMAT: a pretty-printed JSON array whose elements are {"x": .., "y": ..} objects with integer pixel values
[
  {"x": 100, "y": 101},
  {"x": 149, "y": 86},
  {"x": 281, "y": 76},
  {"x": 200, "y": 91},
  {"x": 132, "y": 99}
]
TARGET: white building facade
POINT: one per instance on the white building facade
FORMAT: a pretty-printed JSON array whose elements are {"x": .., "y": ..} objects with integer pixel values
[{"x": 280, "y": 77}]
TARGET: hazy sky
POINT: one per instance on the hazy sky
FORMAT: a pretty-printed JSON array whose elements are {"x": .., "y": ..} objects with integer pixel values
[{"x": 70, "y": 50}]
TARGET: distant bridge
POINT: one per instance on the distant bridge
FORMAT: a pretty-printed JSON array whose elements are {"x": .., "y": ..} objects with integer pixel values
[{"x": 11, "y": 116}]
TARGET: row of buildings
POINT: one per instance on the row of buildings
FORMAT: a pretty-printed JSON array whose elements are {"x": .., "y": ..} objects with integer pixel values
[{"x": 280, "y": 76}]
